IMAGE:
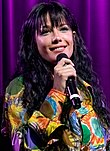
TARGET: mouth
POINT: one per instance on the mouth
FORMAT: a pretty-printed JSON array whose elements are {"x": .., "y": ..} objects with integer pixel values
[{"x": 57, "y": 48}]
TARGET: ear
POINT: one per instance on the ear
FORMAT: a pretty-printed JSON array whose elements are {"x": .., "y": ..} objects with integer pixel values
[{"x": 74, "y": 34}]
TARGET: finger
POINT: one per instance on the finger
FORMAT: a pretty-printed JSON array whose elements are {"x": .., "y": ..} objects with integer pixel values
[
  {"x": 65, "y": 61},
  {"x": 65, "y": 68},
  {"x": 66, "y": 71}
]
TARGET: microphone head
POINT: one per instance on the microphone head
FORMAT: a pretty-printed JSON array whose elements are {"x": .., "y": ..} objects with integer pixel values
[{"x": 60, "y": 56}]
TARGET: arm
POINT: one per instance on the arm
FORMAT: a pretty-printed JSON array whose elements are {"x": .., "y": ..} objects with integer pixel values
[{"x": 22, "y": 129}]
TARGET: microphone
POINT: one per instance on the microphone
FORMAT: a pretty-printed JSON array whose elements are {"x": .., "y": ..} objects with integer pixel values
[{"x": 71, "y": 86}]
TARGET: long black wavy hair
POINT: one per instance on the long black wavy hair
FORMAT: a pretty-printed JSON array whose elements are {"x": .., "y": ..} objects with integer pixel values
[{"x": 37, "y": 72}]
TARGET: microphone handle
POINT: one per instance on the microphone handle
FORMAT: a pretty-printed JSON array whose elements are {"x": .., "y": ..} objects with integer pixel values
[
  {"x": 73, "y": 93},
  {"x": 71, "y": 86}
]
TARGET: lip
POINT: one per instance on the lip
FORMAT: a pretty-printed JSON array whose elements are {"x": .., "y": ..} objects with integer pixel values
[{"x": 61, "y": 47}]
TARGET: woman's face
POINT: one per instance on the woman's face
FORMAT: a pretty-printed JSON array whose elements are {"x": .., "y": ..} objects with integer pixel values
[{"x": 52, "y": 41}]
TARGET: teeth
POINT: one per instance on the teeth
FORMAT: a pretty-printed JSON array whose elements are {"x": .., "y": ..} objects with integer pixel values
[{"x": 60, "y": 48}]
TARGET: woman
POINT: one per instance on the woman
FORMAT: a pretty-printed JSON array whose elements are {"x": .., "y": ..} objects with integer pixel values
[{"x": 38, "y": 112}]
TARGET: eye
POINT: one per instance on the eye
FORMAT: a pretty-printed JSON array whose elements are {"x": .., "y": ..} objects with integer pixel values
[
  {"x": 45, "y": 32},
  {"x": 64, "y": 28}
]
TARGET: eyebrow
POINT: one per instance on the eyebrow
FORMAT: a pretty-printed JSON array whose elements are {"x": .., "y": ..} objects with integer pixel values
[
  {"x": 45, "y": 26},
  {"x": 48, "y": 26}
]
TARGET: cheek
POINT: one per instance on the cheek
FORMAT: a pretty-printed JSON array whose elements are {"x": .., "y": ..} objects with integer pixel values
[
  {"x": 71, "y": 44},
  {"x": 69, "y": 38},
  {"x": 71, "y": 41},
  {"x": 41, "y": 45}
]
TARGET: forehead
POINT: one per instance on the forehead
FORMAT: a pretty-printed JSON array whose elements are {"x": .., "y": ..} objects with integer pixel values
[{"x": 51, "y": 20}]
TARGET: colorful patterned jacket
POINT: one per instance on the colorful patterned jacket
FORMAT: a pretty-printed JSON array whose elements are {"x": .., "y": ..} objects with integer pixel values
[{"x": 44, "y": 131}]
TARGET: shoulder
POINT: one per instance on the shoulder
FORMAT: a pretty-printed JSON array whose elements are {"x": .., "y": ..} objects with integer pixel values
[{"x": 15, "y": 86}]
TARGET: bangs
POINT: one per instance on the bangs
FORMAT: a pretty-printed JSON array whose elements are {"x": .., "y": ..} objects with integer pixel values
[
  {"x": 57, "y": 17},
  {"x": 56, "y": 20}
]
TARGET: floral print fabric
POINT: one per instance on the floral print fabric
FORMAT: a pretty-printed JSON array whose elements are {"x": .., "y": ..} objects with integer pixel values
[{"x": 43, "y": 131}]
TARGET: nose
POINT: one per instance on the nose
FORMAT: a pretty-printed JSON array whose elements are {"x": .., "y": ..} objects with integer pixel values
[{"x": 56, "y": 37}]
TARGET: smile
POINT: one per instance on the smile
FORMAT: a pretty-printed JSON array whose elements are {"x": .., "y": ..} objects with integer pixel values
[{"x": 57, "y": 48}]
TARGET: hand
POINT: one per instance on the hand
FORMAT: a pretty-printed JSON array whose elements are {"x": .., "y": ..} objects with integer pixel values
[{"x": 63, "y": 70}]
